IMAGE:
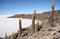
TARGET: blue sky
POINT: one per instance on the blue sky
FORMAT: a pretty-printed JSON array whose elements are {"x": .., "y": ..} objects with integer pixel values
[{"x": 26, "y": 6}]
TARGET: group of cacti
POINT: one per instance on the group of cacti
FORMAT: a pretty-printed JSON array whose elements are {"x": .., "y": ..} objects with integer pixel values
[{"x": 35, "y": 28}]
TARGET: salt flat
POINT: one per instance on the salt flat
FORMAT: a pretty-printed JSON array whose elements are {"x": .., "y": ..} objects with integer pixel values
[{"x": 10, "y": 25}]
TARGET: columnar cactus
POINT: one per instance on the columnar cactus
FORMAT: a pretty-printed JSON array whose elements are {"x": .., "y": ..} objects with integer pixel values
[
  {"x": 20, "y": 28},
  {"x": 33, "y": 22},
  {"x": 52, "y": 15},
  {"x": 37, "y": 27},
  {"x": 5, "y": 35}
]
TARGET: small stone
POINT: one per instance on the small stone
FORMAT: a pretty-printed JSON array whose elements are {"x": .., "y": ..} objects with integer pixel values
[
  {"x": 59, "y": 31},
  {"x": 49, "y": 29},
  {"x": 56, "y": 38},
  {"x": 35, "y": 36},
  {"x": 54, "y": 34}
]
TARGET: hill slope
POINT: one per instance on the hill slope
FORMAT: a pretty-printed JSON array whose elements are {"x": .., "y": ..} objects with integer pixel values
[{"x": 41, "y": 16}]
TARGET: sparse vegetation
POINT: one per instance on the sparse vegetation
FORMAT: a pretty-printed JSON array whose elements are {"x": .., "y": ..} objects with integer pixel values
[{"x": 46, "y": 32}]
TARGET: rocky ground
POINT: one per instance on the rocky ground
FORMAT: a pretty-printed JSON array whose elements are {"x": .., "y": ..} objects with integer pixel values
[{"x": 45, "y": 32}]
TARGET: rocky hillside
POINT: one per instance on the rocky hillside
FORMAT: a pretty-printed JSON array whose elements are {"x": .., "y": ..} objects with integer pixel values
[
  {"x": 42, "y": 16},
  {"x": 45, "y": 32}
]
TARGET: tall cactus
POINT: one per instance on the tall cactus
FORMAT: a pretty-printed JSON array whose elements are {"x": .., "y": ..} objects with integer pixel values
[
  {"x": 5, "y": 35},
  {"x": 20, "y": 28},
  {"x": 37, "y": 27},
  {"x": 33, "y": 22},
  {"x": 52, "y": 15}
]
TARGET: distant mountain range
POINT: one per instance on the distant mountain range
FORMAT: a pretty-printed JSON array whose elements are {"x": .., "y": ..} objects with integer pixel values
[{"x": 42, "y": 16}]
